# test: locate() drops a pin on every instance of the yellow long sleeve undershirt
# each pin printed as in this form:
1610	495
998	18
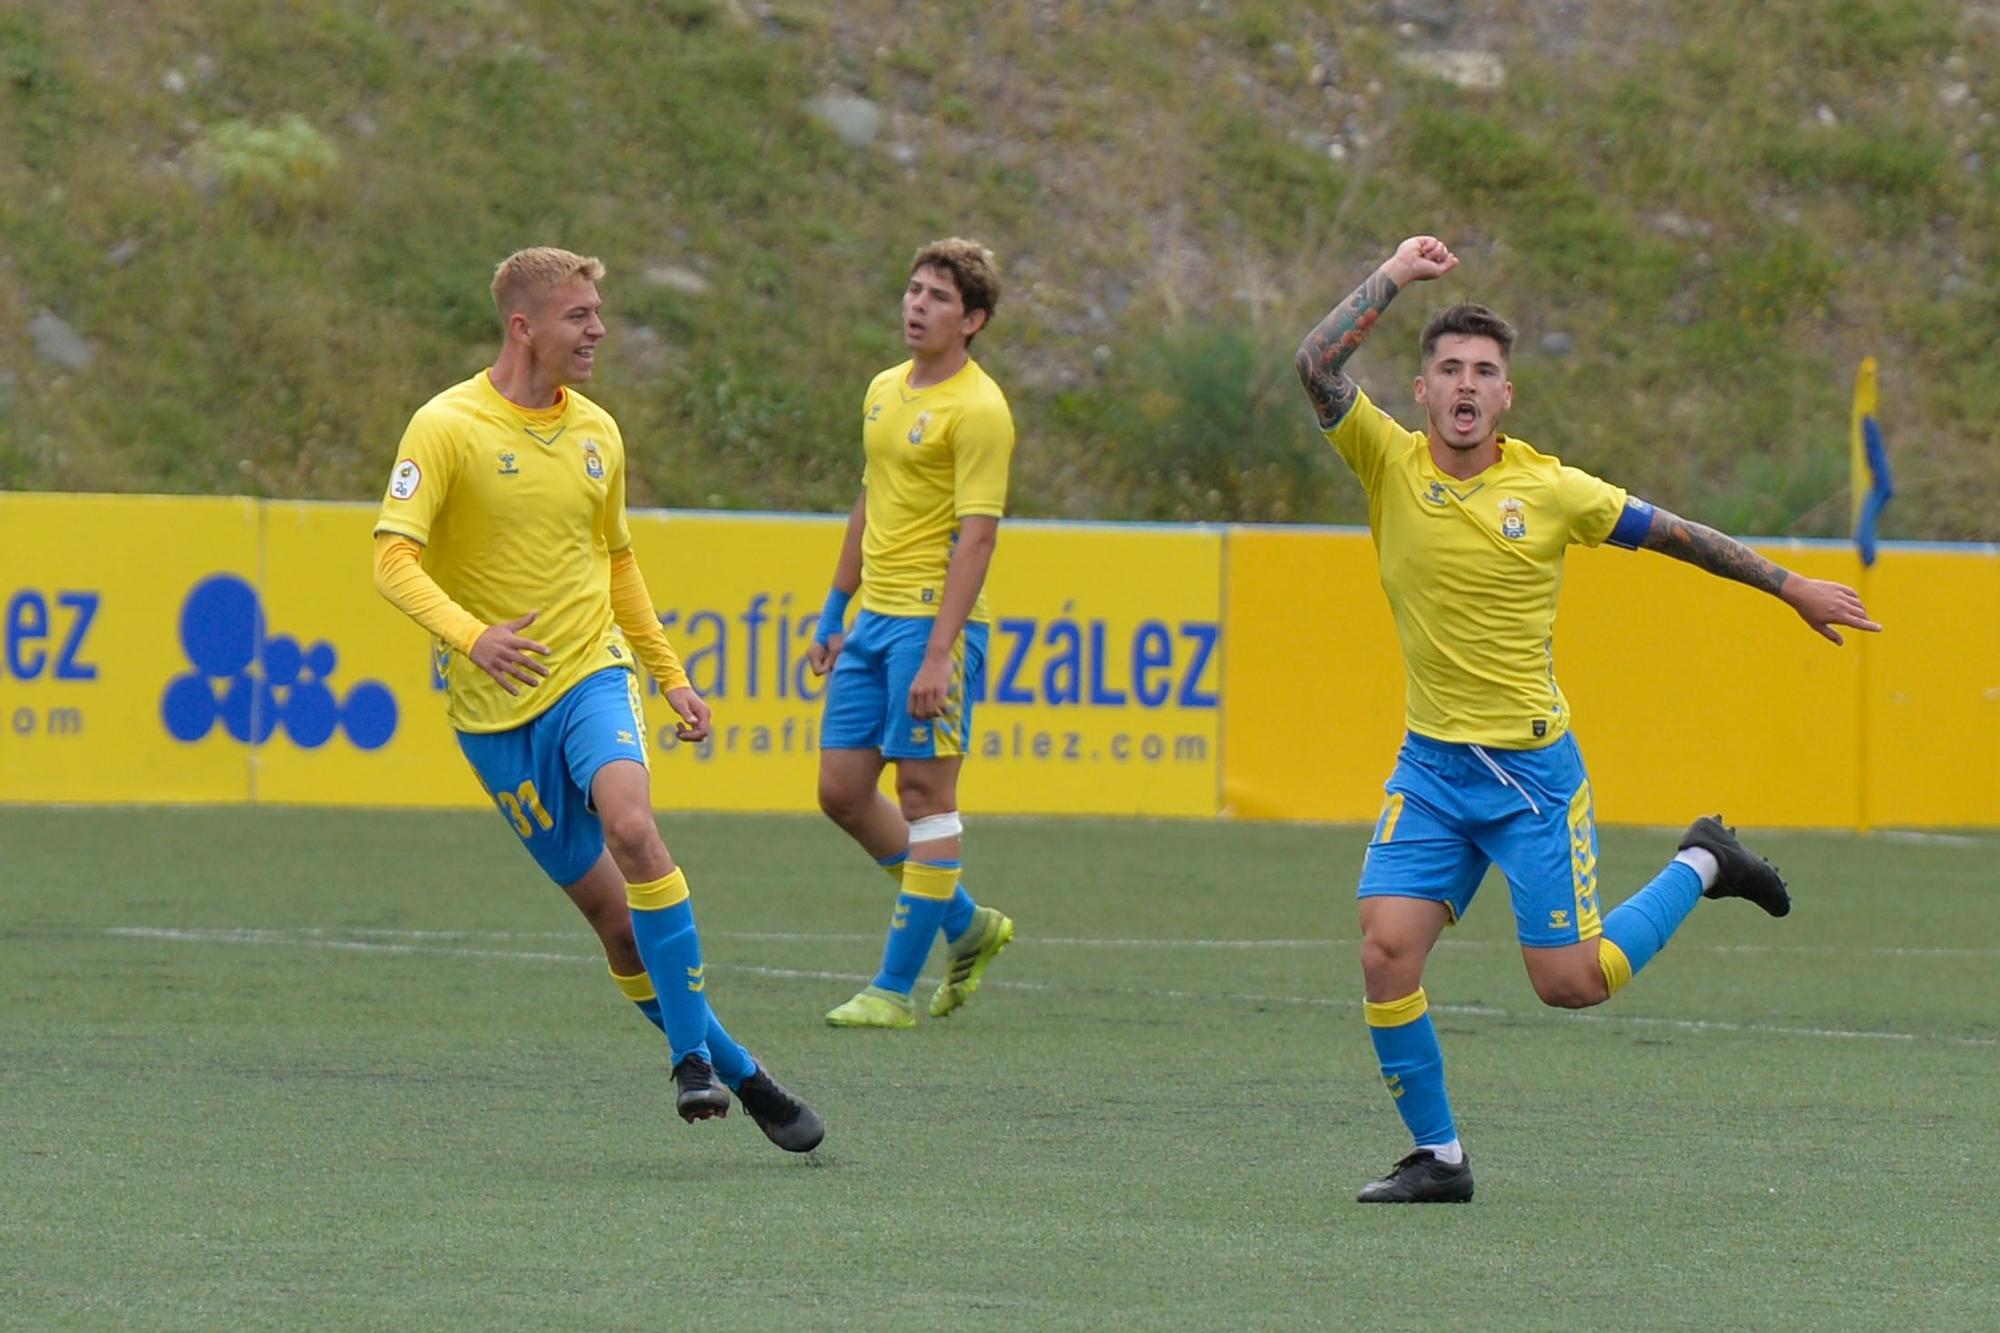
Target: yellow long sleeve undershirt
632	607
400	576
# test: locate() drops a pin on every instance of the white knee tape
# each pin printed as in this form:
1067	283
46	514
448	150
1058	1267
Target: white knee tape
933	827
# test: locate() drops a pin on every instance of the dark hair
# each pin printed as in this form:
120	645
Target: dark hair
1471	320
971	267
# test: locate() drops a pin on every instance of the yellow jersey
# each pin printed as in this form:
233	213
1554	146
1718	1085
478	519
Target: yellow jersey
517	510
1473	569
934	455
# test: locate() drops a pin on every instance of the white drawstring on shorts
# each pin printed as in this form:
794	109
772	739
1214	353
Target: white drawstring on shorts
1505	777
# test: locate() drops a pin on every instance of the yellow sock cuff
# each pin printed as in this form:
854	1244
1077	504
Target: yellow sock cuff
1616	966
924	881
636	988
1396	1013
658	894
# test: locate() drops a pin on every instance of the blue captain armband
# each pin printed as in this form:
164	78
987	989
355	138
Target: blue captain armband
832	616
1633	524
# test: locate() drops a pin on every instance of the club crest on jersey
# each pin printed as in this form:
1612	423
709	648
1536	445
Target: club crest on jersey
593	463
403	482
507	468
923	424
1436	493
1513	519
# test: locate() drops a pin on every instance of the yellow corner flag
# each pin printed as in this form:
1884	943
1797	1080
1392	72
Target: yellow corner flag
1868	462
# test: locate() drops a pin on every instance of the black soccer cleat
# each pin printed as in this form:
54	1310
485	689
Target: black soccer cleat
700	1095
1743	873
1421	1178
785	1119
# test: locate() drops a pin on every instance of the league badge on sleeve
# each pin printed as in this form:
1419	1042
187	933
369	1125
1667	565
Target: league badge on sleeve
403	482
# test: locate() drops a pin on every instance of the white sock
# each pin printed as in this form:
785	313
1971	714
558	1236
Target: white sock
1451	1154
1704	864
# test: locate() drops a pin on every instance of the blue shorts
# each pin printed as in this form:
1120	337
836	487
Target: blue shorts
539	773
1452	810
868	699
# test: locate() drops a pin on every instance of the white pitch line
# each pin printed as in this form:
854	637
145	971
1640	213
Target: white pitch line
314	938
1933	839
1087	942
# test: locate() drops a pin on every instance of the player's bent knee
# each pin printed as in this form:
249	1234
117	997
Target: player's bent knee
632	835
1390	968
1571	992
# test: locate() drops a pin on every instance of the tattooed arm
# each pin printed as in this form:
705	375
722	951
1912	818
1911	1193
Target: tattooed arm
1820	603
1326	349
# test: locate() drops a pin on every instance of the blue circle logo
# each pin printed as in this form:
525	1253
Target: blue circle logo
256	684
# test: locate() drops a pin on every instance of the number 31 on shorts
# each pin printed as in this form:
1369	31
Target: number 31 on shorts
521	803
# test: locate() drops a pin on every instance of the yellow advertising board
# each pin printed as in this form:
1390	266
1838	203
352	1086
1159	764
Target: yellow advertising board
183	650
127	629
362	713
1102	673
1931	688
1692	694
235	650
1313	710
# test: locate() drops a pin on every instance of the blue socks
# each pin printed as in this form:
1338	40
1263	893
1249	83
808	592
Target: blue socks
957	913
1412	1066
928	891
732	1064
663	928
1640	926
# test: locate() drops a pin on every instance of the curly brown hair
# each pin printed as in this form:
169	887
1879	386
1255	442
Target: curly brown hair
972	269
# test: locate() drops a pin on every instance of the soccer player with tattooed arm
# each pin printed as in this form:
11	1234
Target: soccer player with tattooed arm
1470	527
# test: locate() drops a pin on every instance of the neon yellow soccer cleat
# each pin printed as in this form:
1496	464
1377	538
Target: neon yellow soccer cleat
981	944
874	1008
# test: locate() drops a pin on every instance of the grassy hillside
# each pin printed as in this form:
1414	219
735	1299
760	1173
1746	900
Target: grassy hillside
272	227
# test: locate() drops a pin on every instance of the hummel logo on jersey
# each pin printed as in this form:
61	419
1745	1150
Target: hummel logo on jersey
923	424
507	468
874	410
1436	493
1513	519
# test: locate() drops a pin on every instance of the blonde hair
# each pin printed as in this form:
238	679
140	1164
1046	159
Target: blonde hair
971	267
527	276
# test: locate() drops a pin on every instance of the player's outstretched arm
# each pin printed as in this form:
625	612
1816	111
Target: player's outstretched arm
1324	352
1821	603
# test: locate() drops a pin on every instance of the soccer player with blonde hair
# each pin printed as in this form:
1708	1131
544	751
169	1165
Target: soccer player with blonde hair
937	437
505	514
1470	527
